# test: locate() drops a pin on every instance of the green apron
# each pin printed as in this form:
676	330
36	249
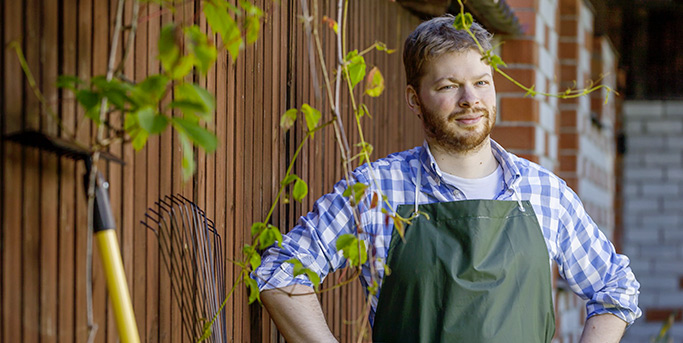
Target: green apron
476	271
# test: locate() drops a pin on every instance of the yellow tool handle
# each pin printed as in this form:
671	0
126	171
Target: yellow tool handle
117	286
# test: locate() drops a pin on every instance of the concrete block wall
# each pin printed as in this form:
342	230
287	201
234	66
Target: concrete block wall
653	212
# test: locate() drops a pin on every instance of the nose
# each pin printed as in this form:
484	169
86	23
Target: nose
468	98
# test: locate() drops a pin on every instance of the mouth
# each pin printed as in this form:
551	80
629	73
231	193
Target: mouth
467	119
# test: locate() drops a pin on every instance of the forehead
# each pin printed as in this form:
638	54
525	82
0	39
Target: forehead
458	64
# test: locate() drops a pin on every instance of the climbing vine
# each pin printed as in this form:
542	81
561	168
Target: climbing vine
184	50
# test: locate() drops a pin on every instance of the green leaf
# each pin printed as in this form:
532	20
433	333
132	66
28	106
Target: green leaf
139	139
188	107
495	61
357	190
356	67
188	154
289	179
463	22
530	91
222	23
353	249
269	236
252	285
182	68
197	134
366	149
150	90
300	190
255	261
312	117
169	52
253	20
87	98
299	269
204	52
150	121
374	84
288	119
69	82
130	121
383	47
257	227
191	97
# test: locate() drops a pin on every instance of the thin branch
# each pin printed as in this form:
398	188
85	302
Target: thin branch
34	87
93	171
131	37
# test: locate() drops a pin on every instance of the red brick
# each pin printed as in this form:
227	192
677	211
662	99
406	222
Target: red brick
680	281
515	4
662	314
570	101
568	27
588	41
568	163
569	141
520	51
547	37
519	109
568	119
568	51
515	137
531	157
527	77
569	7
572	182
568	75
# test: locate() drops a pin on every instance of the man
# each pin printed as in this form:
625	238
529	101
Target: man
474	264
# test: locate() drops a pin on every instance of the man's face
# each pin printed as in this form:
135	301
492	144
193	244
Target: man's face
456	101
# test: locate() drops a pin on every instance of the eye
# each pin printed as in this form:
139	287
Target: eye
446	87
482	83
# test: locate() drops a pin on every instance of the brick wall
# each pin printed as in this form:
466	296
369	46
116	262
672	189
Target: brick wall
573	137
653	211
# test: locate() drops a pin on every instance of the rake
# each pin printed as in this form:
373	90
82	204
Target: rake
191	251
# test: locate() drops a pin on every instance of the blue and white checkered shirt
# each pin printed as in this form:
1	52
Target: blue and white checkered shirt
584	256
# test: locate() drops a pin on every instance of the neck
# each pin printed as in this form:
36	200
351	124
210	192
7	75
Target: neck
472	164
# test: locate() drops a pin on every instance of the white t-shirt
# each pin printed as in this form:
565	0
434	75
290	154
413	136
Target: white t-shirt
485	188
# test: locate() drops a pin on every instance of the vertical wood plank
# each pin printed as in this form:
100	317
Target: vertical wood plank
31	185
231	252
139	198
49	182
84	71
12	264
100	56
167	307
67	188
129	221
153	180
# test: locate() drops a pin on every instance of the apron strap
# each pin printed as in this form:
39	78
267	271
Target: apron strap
417	187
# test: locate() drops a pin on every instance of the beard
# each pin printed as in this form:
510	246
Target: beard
446	132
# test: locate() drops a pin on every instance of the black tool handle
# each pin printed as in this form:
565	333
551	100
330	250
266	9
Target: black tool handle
104	218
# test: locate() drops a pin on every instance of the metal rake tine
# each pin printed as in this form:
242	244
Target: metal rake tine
189	238
165	246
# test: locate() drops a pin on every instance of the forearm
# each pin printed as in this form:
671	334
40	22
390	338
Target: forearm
603	328
298	317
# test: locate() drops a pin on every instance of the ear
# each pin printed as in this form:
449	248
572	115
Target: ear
413	100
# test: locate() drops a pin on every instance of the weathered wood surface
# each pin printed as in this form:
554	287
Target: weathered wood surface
43	205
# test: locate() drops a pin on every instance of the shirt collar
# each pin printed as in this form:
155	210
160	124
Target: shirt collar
511	172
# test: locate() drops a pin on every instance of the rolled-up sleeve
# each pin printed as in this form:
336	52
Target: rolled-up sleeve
312	241
591	265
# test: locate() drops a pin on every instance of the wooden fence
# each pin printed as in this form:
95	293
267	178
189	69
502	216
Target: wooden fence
43	206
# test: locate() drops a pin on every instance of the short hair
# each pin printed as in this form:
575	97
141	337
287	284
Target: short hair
434	38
